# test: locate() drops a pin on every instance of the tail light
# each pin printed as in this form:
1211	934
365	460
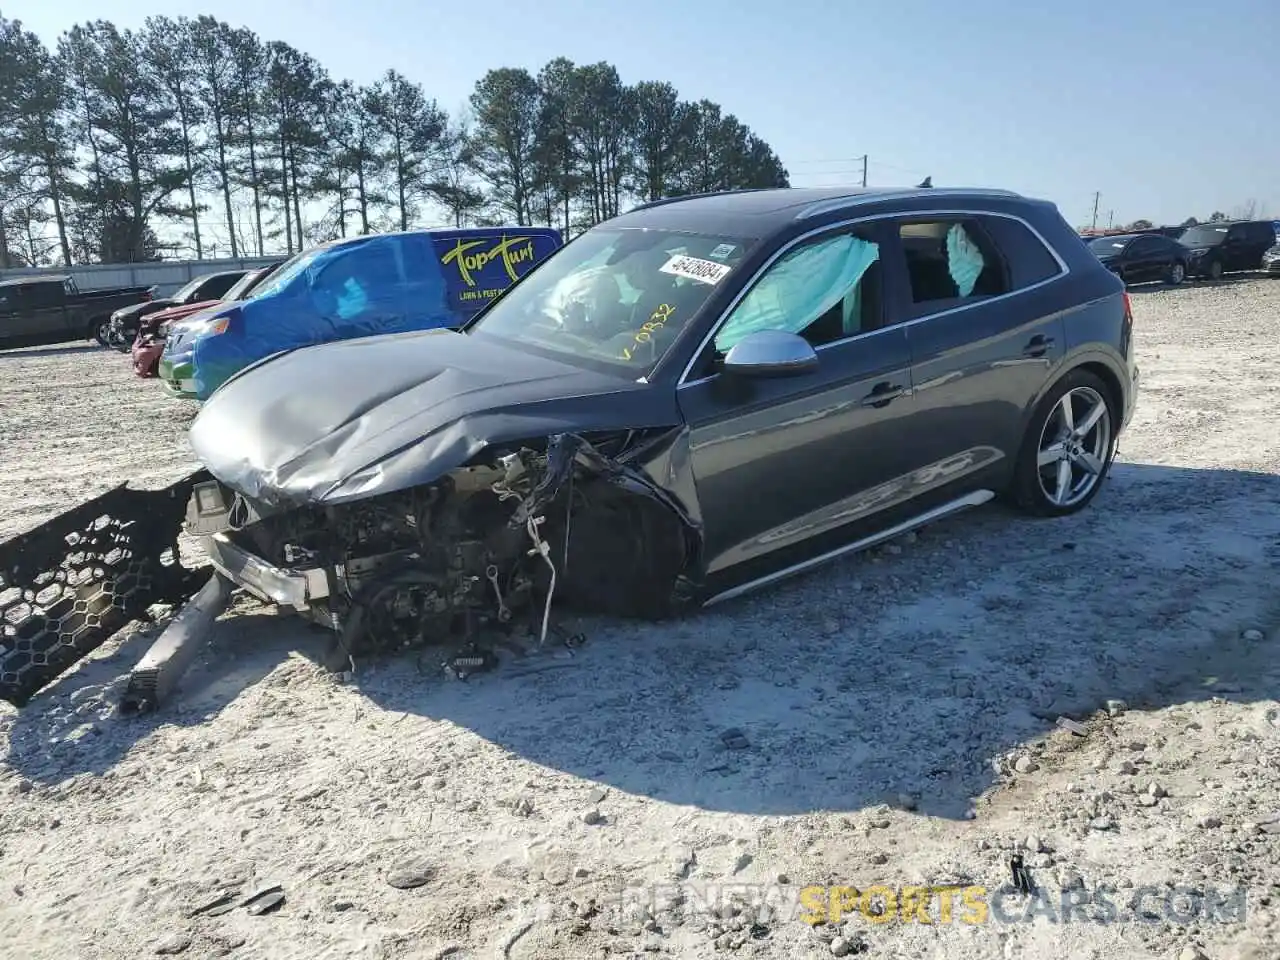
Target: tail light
1128	308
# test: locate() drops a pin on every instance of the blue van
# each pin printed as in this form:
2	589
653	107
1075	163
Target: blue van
358	287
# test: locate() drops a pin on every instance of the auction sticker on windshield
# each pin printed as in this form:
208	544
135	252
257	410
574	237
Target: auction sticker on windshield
704	271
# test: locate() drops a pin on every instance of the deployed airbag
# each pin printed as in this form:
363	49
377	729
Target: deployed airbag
964	260
802	287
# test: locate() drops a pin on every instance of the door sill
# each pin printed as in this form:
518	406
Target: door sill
975	499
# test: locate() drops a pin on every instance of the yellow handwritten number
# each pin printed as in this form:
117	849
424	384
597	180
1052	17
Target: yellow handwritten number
657	320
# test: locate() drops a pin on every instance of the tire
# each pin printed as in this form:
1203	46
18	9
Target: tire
1034	489
1177	273
98	331
1215	270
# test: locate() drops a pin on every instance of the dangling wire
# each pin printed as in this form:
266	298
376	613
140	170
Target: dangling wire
541	546
238	515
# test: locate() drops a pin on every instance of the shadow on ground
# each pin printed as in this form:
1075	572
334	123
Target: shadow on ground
27	353
879	675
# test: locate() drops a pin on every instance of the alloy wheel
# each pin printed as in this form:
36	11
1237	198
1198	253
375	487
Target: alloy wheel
1177	273
1074	445
1215	270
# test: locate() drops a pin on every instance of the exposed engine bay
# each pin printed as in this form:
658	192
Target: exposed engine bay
483	548
479	555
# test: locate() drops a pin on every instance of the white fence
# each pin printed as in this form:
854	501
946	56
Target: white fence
165	275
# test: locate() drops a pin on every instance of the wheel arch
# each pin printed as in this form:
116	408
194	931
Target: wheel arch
1100	365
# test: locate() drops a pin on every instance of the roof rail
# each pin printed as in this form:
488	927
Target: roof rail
663	201
835	203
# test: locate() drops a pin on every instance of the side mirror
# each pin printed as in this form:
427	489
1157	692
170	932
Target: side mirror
770	353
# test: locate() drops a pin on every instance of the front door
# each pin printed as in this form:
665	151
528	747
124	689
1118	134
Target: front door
780	462
1146	262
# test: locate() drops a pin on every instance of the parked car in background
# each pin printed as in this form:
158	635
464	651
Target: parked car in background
153	329
359	287
42	309
123	327
1218	248
1271	260
688	402
1142	257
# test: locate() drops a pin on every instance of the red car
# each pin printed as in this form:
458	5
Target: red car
154	328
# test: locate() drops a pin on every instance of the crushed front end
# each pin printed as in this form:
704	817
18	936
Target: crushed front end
479	552
461	564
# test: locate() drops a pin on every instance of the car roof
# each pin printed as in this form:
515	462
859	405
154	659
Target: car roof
1126	237
1230	223
759	212
221	273
444	232
15	281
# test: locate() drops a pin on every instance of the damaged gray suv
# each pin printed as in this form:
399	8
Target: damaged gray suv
692	400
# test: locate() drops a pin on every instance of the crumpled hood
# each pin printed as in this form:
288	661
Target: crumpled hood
362	417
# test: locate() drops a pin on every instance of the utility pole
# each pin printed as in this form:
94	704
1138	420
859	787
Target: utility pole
1111	218
1094	225
864	169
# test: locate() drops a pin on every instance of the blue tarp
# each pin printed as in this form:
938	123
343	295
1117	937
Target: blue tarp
380	284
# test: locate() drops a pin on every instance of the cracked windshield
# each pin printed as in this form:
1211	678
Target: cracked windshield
615	297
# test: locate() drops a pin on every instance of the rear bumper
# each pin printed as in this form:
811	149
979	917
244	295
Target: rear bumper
1135	381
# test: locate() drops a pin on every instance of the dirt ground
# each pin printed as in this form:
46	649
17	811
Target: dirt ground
698	790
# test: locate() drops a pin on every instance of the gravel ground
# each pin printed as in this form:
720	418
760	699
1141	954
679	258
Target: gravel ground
886	721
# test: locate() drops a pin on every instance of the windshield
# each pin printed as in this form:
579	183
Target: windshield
1104	245
1203	236
617	298
243	286
287	271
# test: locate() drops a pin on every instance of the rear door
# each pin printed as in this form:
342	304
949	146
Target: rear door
1261	238
984	335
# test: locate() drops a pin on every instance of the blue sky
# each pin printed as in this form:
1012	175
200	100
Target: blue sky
1168	109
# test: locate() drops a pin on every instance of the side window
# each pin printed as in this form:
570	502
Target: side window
41	295
217	286
1030	261
824	291
950	262
360	278
1144	247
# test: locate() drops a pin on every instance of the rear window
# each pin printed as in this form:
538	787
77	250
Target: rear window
219	285
1204	236
1030	261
